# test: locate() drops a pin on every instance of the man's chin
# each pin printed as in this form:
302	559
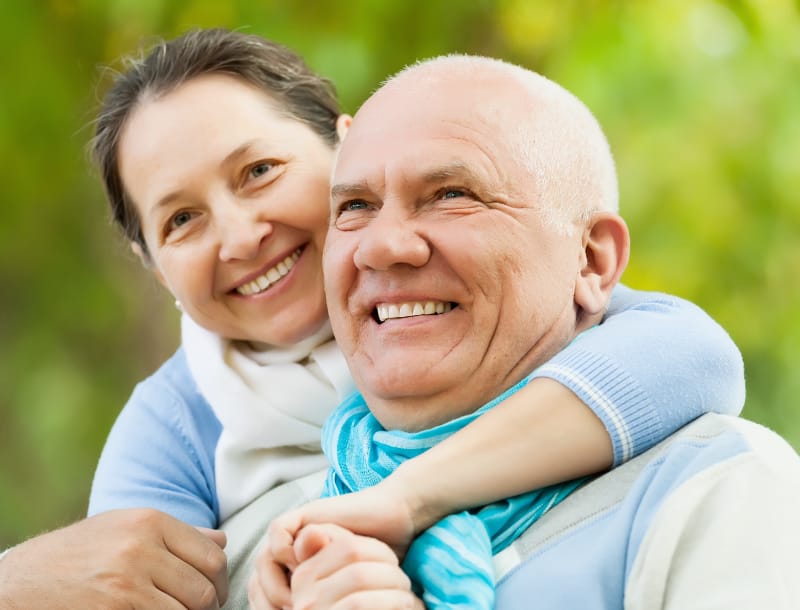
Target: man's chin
400	415
434	400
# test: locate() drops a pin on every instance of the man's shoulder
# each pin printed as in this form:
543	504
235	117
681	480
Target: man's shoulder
598	530
704	443
766	445
716	441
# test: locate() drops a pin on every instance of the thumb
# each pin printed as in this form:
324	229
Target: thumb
310	540
218	536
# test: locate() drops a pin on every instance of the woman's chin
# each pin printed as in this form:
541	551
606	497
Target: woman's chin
287	335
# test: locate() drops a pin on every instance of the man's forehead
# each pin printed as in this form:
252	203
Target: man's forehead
427	157
429	133
418	172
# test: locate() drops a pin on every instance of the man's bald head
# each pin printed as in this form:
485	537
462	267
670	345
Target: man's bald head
474	234
552	133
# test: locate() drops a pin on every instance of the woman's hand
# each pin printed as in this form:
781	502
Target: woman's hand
380	512
386	511
336	569
132	559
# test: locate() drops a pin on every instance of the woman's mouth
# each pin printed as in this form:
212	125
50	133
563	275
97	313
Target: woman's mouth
271	276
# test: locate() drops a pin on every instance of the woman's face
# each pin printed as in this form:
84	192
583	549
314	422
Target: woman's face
233	201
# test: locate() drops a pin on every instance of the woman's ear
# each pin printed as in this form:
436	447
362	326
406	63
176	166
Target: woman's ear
343	125
148	263
606	248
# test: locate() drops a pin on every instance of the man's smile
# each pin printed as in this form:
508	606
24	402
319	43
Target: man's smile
409	309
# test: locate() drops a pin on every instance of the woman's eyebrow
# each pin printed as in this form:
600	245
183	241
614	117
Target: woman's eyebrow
231	157
239	151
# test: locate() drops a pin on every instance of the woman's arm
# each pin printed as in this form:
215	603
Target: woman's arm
160	451
654	364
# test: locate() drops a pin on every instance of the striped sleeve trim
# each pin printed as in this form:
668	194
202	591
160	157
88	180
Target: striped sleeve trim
631	419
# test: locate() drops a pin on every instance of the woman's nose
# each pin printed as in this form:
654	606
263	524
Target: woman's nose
241	232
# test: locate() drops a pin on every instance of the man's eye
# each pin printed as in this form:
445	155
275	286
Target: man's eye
453	193
355	205
259	169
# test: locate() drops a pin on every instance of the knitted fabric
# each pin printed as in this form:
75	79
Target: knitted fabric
450	564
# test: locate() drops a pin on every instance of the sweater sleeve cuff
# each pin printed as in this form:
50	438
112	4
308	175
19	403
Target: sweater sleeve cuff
613	395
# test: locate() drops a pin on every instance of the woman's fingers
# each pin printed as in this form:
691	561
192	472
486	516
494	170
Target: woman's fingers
339	565
352	581
269	584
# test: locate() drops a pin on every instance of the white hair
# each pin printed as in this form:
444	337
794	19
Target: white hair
559	140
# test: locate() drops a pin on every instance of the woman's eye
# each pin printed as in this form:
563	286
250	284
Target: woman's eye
181	218
260	169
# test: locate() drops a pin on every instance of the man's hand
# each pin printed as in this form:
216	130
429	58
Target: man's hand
336	570
386	512
136	559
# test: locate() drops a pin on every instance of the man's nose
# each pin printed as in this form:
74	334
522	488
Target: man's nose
391	238
241	231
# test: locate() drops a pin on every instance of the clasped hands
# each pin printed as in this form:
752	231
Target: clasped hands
339	553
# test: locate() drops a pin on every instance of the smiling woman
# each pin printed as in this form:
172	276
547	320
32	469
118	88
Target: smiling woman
216	151
238	209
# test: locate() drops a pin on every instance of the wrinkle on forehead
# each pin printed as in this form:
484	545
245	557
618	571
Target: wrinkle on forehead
550	132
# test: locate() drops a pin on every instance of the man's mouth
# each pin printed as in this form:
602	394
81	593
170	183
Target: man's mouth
271	276
390	311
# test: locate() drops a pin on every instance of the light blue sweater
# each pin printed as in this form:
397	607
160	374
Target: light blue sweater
160	451
706	520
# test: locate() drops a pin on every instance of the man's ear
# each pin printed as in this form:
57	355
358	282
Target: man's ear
343	125
148	263
606	248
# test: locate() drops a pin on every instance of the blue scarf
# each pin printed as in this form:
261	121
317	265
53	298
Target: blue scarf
450	564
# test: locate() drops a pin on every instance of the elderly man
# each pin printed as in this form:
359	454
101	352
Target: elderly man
481	186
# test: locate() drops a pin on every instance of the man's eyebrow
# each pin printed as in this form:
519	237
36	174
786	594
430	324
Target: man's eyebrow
456	169
350	189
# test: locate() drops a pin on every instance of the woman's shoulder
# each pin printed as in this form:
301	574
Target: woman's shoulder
174	378
172	393
160	450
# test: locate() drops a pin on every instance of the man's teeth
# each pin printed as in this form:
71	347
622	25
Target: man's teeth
387	311
261	283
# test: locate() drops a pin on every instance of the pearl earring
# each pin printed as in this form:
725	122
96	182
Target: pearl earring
178	305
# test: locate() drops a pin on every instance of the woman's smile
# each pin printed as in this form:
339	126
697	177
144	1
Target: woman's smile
233	196
270	277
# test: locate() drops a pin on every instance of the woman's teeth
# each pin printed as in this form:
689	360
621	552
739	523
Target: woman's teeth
387	311
261	283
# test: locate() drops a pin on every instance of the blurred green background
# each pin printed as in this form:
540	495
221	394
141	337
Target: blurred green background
700	100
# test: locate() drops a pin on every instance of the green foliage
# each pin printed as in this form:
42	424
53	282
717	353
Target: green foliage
700	100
